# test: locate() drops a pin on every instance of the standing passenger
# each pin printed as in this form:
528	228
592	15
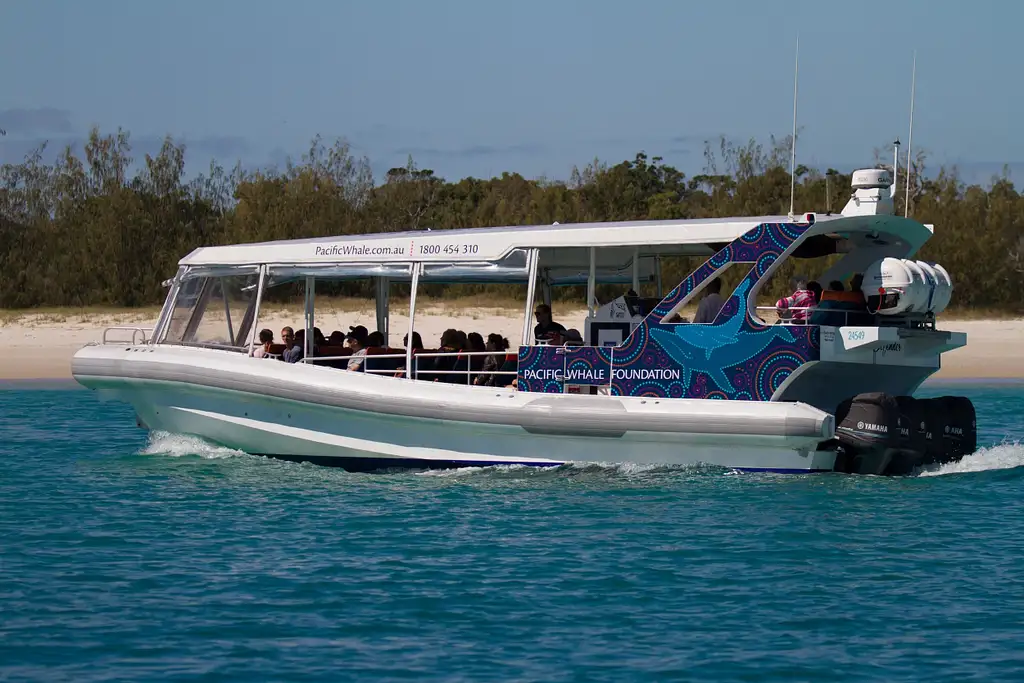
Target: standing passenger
545	325
711	304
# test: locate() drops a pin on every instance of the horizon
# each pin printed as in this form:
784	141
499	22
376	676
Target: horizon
591	80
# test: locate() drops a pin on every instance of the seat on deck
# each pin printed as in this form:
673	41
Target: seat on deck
837	309
331	353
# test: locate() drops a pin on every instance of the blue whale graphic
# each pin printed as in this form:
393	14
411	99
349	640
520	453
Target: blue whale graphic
723	346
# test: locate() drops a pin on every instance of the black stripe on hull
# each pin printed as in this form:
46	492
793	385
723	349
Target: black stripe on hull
383	465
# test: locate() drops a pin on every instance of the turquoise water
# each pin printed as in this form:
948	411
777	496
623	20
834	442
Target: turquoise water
125	557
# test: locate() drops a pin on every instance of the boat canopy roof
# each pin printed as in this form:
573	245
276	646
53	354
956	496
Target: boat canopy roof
500	253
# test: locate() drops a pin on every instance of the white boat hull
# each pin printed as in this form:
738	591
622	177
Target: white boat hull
366	422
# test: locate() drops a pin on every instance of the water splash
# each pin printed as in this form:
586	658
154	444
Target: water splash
571	469
178	445
1003	456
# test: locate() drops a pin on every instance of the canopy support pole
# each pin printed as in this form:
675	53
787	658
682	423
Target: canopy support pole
636	270
416	267
531	292
307	347
657	275
546	286
592	283
383	307
256	309
167	312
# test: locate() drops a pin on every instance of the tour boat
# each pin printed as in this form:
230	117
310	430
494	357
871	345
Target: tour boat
828	390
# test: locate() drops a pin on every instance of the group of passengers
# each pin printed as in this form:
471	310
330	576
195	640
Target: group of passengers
462	358
809	304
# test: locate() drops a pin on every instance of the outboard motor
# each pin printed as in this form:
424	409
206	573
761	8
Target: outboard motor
882	434
866	428
960	433
911	441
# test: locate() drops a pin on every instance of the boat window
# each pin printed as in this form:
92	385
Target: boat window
514	267
730	275
339	272
213	311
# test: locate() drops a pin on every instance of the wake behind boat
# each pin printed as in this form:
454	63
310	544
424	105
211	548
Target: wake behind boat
826	387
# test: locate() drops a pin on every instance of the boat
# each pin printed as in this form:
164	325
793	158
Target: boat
641	384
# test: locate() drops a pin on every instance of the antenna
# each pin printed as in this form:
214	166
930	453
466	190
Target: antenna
910	138
792	162
895	166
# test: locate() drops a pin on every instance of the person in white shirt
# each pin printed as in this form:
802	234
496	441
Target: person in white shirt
266	340
356	340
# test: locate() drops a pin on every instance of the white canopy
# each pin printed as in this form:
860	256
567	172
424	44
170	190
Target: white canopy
563	249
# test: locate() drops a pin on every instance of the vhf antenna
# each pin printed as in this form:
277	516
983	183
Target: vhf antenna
792	162
910	137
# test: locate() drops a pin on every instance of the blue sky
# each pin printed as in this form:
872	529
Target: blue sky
477	88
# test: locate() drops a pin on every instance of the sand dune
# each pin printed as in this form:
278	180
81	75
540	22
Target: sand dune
40	346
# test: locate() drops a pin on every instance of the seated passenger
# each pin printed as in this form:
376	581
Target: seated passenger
318	337
492	363
545	325
292	346
839	307
375	340
439	369
356	340
266	341
711	304
417	346
795	308
336	339
573	337
816	291
475	344
417	341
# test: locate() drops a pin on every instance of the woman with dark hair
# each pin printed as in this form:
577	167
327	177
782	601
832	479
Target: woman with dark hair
492	363
439	369
417	341
815	290
475	344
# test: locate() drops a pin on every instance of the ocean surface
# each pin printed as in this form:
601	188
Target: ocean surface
129	557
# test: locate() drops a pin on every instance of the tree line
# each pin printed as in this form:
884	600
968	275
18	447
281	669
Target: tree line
87	230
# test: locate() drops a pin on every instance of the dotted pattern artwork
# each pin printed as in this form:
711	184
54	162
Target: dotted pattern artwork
736	357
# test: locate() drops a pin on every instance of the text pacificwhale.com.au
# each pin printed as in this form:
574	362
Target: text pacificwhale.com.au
358	250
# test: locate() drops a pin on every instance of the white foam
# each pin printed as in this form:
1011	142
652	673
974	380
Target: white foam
178	445
1004	456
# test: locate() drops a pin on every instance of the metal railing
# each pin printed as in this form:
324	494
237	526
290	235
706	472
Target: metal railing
811	310
136	331
469	372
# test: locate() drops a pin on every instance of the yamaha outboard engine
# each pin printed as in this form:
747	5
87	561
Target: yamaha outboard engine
882	434
866	428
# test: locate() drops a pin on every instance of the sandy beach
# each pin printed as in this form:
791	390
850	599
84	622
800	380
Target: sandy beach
40	345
